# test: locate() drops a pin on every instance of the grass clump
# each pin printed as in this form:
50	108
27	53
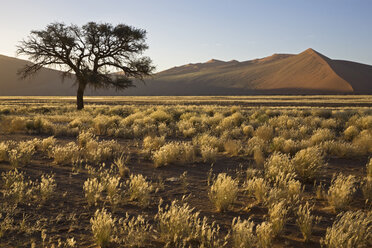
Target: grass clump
153	143
242	233
277	217
112	186
232	147
21	155
174	152
259	187
341	191
139	189
209	154
223	192
102	227
321	135
305	220
369	169
308	163
265	132
352	229
47	186
134	231
180	226
351	132
47	144
277	163
93	189
265	235
17	188
208	140
4	151
65	154
121	166
364	142
167	154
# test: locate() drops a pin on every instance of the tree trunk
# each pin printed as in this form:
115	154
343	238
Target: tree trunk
80	95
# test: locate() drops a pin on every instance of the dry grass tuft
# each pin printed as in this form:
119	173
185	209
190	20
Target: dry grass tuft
341	191
350	229
102	227
223	192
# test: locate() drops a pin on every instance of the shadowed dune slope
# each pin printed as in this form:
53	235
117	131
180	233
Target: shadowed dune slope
306	73
46	82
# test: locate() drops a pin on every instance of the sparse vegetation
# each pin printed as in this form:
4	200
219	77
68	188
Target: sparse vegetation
269	172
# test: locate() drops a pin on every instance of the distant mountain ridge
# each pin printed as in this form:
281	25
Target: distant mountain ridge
309	72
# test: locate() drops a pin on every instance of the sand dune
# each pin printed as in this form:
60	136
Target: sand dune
47	82
306	73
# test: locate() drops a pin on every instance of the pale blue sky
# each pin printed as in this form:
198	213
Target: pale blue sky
181	32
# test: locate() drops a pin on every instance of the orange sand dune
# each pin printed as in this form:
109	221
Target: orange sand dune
306	73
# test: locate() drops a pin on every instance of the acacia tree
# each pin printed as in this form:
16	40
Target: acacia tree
91	53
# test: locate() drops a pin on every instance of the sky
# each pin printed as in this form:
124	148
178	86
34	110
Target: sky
192	31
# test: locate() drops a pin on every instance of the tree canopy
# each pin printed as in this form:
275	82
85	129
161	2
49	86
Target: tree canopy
98	54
